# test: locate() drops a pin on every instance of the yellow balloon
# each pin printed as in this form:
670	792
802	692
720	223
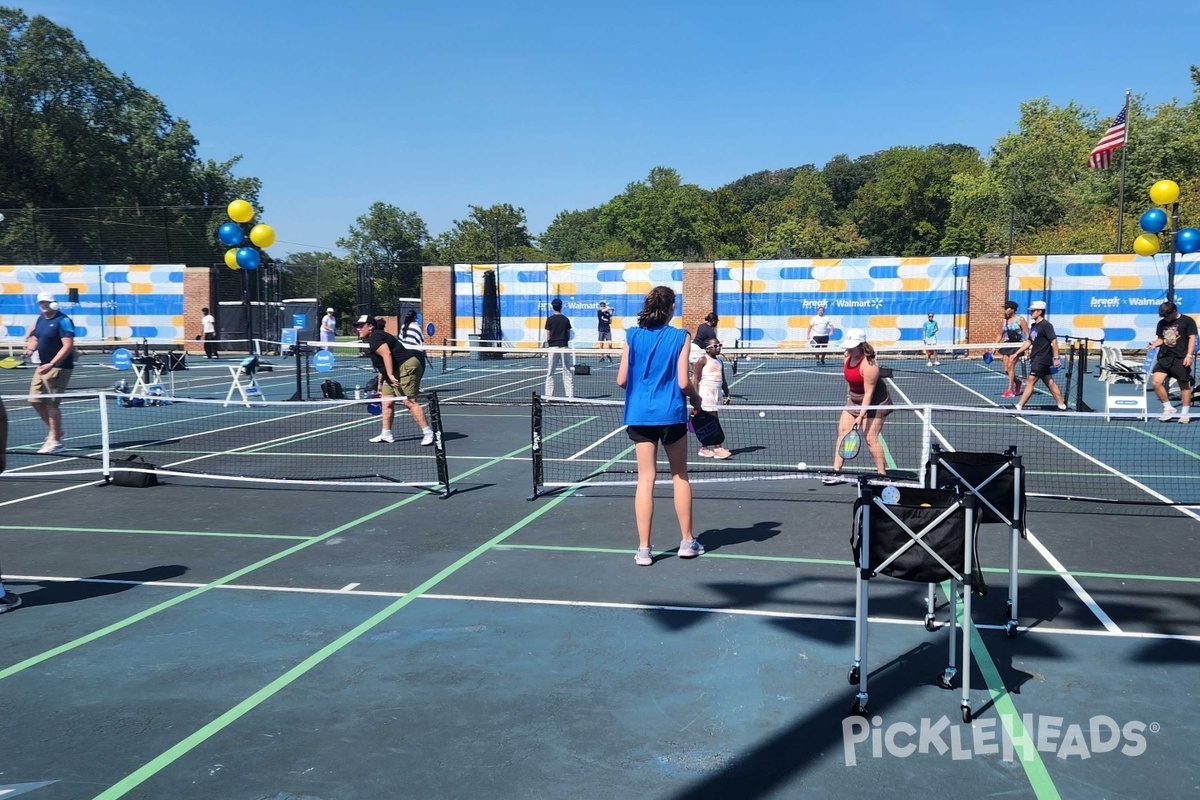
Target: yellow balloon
1164	192
231	258
1146	244
262	235
240	211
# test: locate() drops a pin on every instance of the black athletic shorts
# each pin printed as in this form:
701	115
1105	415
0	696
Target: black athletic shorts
1176	370
820	341
667	434
1040	369
604	336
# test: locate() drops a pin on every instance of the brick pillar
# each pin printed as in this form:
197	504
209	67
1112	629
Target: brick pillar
197	285
987	289
699	288
437	302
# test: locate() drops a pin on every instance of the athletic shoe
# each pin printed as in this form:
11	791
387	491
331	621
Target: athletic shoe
1167	413
1184	419
643	558
721	453
9	601
706	452
937	363
929	363
690	549
427	439
51	448
386	436
831	480
1008	394
1062	408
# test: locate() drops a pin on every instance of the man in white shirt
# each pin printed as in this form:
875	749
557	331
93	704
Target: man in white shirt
208	329
820	328
328	326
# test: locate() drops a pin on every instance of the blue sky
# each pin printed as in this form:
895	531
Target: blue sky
551	106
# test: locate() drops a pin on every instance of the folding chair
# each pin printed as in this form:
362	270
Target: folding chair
922	535
997	480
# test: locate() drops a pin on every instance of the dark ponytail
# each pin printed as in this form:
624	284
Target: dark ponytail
656	310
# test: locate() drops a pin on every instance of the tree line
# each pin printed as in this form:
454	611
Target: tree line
75	134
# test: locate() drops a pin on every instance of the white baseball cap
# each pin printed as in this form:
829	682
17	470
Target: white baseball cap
45	297
854	337
330	310
1037	305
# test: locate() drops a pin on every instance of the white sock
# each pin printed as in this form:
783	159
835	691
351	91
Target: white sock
427	429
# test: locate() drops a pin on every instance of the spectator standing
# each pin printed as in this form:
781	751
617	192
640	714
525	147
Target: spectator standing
328	330
820	329
604	329
208	330
558	338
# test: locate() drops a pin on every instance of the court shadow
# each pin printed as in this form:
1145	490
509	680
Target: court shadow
739	451
716	538
1169	651
54	592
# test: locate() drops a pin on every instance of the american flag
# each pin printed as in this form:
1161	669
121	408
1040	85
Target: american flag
1113	138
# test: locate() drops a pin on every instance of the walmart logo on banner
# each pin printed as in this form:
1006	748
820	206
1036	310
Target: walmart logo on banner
322	361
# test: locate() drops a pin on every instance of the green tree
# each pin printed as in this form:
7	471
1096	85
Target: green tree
474	240
661	218
393	243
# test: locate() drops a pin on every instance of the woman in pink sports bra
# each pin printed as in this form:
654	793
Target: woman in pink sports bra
864	388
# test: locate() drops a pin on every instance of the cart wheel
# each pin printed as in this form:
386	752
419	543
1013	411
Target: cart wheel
943	682
852	676
930	623
966	715
1010	628
858	708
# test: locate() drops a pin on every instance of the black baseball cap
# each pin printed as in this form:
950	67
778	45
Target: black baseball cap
366	319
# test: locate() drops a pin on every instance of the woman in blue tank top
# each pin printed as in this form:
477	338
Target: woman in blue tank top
654	373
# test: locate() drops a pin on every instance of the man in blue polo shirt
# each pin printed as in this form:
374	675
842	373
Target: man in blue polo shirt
53	338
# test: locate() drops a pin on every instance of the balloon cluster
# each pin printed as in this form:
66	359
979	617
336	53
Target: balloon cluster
245	243
1155	220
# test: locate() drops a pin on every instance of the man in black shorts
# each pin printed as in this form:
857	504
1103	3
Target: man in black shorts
1043	356
1175	338
604	329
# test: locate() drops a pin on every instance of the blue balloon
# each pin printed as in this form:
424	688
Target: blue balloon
248	258
1153	220
1187	240
230	234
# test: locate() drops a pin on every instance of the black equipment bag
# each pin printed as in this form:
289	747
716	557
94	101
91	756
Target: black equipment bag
583	369
136	480
332	390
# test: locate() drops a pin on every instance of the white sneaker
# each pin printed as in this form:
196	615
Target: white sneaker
386	436
937	363
427	438
1167	413
929	363
51	448
1184	419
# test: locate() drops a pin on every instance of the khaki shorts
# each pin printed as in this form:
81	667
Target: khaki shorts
409	376
53	381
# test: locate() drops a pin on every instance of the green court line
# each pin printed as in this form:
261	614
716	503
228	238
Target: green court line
149	612
151	532
1029	758
1167	442
165	759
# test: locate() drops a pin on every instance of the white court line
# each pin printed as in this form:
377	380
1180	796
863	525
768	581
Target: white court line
1084	596
349	587
534	601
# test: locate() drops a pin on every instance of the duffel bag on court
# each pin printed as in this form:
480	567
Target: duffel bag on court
332	390
122	474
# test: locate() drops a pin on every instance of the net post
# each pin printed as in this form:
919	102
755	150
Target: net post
105	438
439	445
445	356
1081	369
535	446
296	396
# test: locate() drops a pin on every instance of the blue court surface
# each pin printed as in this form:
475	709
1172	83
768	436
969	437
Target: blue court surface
214	639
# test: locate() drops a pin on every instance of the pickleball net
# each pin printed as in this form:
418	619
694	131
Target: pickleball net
1067	455
323	443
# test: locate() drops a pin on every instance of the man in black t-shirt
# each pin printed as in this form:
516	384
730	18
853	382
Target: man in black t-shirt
1175	338
604	329
558	334
705	331
1043	356
399	371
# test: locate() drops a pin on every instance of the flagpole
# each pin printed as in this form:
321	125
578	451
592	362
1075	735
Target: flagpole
1121	190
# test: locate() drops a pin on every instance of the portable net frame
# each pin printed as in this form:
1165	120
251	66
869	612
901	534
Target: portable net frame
1065	455
322	444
